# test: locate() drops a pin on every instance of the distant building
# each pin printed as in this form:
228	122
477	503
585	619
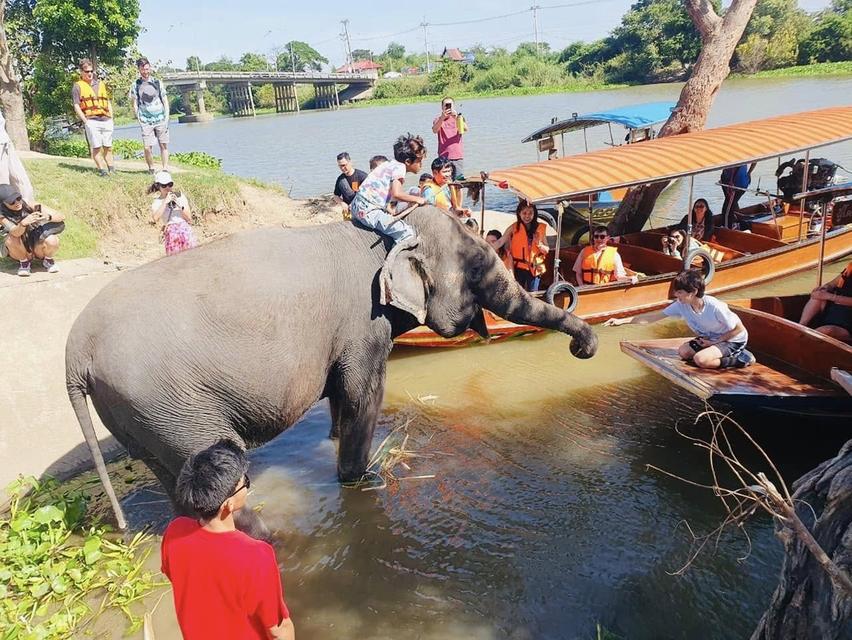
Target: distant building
361	66
457	55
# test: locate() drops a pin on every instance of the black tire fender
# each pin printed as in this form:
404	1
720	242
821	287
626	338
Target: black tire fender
578	235
708	268
566	288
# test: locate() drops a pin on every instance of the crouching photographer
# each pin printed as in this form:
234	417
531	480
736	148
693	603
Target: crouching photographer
30	230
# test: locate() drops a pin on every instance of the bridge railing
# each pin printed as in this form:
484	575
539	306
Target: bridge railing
242	76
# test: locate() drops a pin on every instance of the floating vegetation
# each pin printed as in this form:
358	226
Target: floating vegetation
59	570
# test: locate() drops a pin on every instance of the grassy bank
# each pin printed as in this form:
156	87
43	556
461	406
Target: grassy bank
808	70
96	207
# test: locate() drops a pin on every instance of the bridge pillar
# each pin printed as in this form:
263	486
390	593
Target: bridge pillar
186	98
241	99
326	96
286	98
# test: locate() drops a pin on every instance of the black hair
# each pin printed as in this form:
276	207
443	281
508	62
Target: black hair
495	233
425	176
142	61
523	204
599	228
375	161
439	163
209	477
85	62
343	156
408	148
707	211
691	281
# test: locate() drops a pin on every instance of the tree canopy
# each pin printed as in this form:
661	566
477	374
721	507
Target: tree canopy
300	55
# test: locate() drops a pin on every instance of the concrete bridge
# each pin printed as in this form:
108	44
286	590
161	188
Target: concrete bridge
239	84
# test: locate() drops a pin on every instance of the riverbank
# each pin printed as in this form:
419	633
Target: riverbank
108	218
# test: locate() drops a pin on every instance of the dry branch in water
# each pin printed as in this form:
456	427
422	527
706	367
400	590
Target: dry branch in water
755	491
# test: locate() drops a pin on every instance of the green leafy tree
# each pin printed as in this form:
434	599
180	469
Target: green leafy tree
656	39
11	94
103	30
771	39
394	51
445	77
530	49
300	55
97	29
830	39
362	54
193	63
253	62
224	63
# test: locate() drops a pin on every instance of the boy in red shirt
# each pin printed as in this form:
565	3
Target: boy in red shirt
226	584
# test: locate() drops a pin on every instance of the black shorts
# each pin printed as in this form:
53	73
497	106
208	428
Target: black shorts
37	233
727	348
837	315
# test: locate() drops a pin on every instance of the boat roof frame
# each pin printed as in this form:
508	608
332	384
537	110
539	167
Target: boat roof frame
504	178
637	116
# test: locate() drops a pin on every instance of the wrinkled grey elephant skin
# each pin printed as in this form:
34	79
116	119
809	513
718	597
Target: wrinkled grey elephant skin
238	338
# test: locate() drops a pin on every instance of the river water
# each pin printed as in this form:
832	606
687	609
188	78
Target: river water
542	518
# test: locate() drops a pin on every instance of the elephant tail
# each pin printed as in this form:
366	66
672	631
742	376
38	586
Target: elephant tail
77	385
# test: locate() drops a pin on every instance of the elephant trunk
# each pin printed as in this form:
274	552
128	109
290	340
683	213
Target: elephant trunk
506	298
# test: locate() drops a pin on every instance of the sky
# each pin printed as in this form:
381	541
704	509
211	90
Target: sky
173	31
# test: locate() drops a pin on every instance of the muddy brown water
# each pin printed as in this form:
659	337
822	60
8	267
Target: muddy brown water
543	518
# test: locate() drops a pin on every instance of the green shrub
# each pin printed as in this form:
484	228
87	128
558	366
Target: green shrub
198	159
127	149
499	76
74	147
401	87
36	129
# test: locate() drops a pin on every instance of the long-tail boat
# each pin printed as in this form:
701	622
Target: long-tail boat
778	246
793	372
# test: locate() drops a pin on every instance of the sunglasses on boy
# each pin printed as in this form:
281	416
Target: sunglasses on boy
245	485
601	235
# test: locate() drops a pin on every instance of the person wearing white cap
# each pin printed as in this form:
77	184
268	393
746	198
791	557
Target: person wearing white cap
170	209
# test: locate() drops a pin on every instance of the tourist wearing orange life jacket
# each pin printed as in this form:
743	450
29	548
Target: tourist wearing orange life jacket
527	246
600	263
93	107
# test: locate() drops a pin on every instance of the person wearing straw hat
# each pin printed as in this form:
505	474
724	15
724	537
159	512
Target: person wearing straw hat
31	230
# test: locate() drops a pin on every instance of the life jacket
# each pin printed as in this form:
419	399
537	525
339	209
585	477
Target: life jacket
526	254
94	106
598	271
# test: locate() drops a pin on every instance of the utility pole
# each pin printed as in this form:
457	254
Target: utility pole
345	35
534	10
425	24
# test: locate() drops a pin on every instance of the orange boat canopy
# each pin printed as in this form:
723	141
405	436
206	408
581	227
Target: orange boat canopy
676	156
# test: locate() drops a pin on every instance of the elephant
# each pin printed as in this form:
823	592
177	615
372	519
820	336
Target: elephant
239	337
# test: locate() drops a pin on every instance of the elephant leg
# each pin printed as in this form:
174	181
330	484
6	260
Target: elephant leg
356	399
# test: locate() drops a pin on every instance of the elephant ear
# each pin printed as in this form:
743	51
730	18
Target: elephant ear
406	284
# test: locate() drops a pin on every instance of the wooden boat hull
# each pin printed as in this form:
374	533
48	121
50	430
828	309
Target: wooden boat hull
793	373
771	259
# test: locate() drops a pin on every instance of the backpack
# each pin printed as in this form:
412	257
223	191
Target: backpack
821	174
153	81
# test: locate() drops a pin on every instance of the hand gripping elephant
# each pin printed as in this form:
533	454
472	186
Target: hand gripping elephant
238	338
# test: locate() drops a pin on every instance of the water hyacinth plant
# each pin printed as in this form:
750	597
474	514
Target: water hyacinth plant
58	572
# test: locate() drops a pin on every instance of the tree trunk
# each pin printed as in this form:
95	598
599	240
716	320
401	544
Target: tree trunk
11	98
719	38
807	605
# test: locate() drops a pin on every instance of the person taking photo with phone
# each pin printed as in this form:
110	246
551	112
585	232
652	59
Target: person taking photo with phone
170	209
31	230
450	126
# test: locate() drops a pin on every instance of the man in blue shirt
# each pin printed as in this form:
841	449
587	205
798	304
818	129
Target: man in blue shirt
734	181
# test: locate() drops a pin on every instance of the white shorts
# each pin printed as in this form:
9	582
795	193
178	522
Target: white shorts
154	133
99	133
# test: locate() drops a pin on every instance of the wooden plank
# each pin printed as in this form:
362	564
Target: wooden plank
843	378
767	377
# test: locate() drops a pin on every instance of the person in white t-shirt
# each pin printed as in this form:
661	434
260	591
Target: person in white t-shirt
170	209
720	335
11	170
